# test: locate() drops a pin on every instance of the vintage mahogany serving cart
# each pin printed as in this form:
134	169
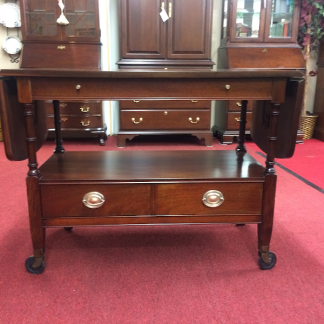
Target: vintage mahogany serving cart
151	187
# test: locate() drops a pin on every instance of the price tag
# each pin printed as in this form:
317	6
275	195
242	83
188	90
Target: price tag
164	15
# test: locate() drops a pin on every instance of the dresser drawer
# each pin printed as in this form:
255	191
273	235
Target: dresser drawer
235	105
75	108
233	120
76	122
186	199
164	104
120	199
172	119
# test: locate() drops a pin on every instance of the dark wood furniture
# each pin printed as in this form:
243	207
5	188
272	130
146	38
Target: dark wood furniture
181	42
78	119
159	187
74	46
256	34
319	96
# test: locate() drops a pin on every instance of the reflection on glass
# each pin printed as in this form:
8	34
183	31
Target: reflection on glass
40	18
248	18
281	18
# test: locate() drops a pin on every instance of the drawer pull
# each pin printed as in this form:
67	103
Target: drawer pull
213	198
194	122
85	123
227	87
165	113
78	87
64	119
85	109
61	47
194	101
93	199
135	122
63	105
239	104
238	119
137	101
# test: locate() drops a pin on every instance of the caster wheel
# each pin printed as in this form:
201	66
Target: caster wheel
29	266
69	229
268	266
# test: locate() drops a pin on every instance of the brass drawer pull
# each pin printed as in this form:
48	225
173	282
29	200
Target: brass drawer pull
165	113
63	105
135	122
238	119
137	101
85	109
194	122
85	123
194	101
213	198
78	87
64	119
61	47
239	104
227	87
93	199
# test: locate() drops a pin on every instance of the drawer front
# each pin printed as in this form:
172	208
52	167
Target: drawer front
164	104
75	108
66	200
186	199
81	122
236	105
164	119
233	120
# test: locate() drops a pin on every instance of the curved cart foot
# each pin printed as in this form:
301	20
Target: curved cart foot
268	265
69	229
35	265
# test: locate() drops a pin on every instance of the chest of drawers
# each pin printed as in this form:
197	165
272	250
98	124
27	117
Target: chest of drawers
151	117
78	119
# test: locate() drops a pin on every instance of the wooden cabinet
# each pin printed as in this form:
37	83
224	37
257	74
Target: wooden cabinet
164	117
184	40
78	119
181	42
50	45
257	34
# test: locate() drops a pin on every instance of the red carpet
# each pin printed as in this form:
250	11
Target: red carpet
167	274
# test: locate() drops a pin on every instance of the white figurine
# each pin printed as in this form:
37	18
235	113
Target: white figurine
62	19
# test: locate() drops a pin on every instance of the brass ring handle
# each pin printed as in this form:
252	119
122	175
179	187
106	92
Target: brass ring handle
238	119
194	122
139	120
213	198
85	123
85	109
93	199
137	101
239	104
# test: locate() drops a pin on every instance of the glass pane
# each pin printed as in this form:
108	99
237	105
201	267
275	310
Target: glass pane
40	18
281	18
224	30
248	18
81	17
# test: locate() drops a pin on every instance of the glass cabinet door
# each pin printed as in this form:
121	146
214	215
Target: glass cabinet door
281	24
247	21
39	21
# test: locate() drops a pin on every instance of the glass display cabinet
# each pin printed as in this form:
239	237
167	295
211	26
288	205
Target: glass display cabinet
50	43
255	34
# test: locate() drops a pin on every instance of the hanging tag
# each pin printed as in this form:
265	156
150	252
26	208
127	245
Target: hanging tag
164	15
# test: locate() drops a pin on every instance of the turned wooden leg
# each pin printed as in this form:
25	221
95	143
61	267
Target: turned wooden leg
58	125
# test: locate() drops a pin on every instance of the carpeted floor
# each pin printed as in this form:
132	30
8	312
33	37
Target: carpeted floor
168	274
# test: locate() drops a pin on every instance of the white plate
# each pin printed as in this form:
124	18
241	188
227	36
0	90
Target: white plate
10	15
12	45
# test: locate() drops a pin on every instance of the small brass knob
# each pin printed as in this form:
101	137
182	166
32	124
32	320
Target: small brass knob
93	199
165	113
78	87
213	198
227	87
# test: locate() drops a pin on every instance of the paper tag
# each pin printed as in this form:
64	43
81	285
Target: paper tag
164	15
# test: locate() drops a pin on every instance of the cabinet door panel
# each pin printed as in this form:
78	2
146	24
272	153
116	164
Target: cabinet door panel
189	29
142	30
